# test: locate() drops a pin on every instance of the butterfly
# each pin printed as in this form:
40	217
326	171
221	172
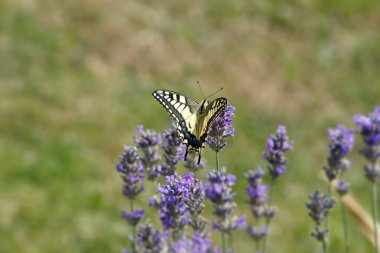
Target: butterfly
193	120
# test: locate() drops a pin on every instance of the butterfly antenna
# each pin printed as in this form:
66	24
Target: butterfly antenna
199	85
221	88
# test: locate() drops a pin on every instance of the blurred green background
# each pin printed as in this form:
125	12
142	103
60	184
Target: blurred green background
76	78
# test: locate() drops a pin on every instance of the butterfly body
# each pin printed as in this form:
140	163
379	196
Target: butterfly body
192	119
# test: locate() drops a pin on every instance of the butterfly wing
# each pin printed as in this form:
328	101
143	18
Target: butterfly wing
212	111
183	110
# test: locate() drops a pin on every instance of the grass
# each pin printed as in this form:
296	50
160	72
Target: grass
76	78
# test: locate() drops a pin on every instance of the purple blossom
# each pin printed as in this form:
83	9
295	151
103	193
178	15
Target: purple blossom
192	164
319	207
256	190
198	244
148	143
173	151
219	192
341	143
174	200
221	129
372	172
257	233
131	171
196	205
277	145
150	240
342	188
133	217
369	128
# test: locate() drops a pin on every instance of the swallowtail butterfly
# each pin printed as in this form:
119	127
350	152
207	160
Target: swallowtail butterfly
193	120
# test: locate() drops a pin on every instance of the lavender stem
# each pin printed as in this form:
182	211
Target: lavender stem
374	216
224	250
217	160
345	229
271	189
133	228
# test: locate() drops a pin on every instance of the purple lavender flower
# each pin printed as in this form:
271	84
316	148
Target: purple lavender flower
149	142
319	207
219	192
277	145
256	190
342	188
173	151
131	171
173	205
150	240
369	128
195	205
372	172
192	164
341	143
221	129
133	217
259	204
198	244
257	233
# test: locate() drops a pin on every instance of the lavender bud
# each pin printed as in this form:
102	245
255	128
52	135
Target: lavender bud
133	217
342	188
277	145
131	171
219	192
221	129
192	163
148	143
150	240
173	151
319	206
341	143
257	233
173	205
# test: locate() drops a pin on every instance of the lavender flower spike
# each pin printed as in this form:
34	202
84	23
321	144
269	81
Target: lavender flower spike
174	214
133	217
149	142
369	128
131	171
173	151
341	143
219	192
319	207
150	240
198	244
277	145
221	129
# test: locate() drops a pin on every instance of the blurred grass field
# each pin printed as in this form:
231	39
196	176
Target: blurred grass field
76	78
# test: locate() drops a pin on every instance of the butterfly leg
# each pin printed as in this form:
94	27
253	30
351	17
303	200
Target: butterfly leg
199	156
187	151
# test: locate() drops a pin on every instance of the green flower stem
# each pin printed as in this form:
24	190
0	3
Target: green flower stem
231	241
374	216
133	228
224	248
345	228
217	161
271	190
325	243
